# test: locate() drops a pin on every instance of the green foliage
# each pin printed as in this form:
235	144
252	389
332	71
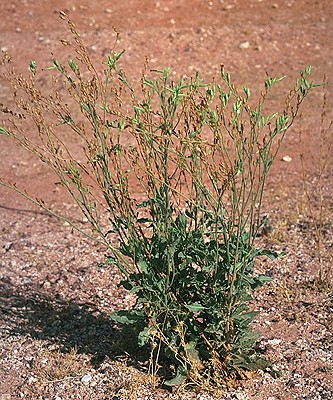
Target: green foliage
193	289
197	156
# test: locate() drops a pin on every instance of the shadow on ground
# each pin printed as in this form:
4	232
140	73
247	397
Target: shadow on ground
67	324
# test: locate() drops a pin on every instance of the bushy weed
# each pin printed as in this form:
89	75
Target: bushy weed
179	168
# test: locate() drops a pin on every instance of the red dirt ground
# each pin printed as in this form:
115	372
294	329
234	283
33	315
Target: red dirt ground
41	257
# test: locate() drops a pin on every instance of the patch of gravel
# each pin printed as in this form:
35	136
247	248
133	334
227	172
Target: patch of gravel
58	341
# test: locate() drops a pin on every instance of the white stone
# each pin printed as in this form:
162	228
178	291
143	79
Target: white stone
244	45
287	159
86	378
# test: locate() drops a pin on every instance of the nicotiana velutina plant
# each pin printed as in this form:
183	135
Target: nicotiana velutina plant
178	171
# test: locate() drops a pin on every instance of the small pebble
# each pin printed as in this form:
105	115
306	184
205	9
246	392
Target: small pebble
86	378
244	45
274	342
7	246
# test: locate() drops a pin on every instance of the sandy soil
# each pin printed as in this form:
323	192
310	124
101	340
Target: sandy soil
55	300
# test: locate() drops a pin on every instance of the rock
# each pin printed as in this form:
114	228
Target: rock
86	378
244	45
8	245
287	159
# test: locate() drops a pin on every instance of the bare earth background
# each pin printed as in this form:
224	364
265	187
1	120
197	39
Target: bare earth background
57	341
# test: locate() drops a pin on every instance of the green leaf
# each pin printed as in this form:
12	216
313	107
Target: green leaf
264	279
128	317
269	253
126	284
260	281
308	70
149	83
57	65
113	58
145	203
143	266
3	131
73	65
195	307
144	220
254	363
182	219
178	379
33	67
247	92
144	336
